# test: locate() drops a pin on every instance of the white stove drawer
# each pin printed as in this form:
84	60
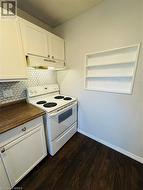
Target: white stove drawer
61	121
55	145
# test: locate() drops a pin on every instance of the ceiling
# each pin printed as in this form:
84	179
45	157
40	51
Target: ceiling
55	12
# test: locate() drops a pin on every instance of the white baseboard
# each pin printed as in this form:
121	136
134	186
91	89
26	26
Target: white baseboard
118	149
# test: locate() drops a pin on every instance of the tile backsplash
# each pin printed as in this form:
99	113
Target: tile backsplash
39	77
36	77
18	89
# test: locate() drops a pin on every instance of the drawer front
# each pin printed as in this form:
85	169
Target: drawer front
12	134
55	145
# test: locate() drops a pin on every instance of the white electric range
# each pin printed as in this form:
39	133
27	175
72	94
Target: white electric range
61	114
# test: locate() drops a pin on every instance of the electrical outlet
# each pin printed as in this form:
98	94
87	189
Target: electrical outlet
7	93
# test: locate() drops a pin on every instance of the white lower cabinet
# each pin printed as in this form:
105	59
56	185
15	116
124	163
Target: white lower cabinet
4	182
22	154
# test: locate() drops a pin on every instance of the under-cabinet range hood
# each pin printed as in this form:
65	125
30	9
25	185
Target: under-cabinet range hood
43	62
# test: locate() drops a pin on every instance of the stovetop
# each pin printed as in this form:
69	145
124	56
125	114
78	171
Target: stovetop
51	102
48	97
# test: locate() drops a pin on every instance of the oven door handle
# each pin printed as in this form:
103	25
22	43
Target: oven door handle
64	109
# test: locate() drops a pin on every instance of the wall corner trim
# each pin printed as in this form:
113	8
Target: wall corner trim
116	148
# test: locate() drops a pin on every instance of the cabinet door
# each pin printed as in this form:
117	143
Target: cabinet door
23	154
34	39
57	47
12	59
4	183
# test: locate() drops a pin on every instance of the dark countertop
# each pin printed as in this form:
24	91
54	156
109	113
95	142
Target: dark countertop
16	114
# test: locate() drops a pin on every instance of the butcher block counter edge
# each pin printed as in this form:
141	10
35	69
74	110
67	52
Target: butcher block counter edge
18	113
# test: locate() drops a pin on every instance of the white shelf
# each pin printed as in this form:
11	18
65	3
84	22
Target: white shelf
110	76
119	91
113	70
114	63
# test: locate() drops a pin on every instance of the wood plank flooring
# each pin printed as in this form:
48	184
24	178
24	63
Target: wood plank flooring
84	164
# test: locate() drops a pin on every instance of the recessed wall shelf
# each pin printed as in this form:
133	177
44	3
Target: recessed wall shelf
113	70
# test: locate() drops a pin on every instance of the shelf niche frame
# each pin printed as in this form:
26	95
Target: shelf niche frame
112	70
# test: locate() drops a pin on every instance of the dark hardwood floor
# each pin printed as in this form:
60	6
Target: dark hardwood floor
83	164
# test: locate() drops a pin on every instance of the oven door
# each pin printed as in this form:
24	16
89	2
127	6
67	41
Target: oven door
59	122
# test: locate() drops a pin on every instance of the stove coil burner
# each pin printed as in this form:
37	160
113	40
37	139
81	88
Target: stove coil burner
41	102
59	97
67	98
50	105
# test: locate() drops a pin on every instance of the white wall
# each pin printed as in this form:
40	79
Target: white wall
114	118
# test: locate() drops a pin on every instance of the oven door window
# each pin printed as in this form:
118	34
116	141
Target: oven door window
62	117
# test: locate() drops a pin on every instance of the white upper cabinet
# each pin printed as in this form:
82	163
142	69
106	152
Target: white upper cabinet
12	59
34	39
40	42
57	47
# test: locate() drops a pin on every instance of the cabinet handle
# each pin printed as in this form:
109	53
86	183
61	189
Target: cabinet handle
24	129
48	55
46	60
53	61
2	150
49	60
